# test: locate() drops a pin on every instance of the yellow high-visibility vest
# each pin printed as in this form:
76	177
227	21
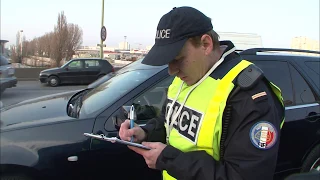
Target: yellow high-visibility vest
199	124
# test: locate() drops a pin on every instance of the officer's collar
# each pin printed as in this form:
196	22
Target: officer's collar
229	61
228	44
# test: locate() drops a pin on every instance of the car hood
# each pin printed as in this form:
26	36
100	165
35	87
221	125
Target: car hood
49	70
46	109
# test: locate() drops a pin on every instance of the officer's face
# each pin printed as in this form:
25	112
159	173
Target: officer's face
191	64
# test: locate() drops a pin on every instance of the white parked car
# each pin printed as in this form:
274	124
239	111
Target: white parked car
7	77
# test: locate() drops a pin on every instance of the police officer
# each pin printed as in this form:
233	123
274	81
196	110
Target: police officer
222	117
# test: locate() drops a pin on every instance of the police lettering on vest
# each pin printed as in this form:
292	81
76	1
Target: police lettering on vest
187	122
163	34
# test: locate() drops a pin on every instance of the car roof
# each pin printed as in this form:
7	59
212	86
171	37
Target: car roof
283	52
88	59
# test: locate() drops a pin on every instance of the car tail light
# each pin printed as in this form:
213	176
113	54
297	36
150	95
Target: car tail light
112	69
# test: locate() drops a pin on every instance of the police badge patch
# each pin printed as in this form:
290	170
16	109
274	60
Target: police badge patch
263	135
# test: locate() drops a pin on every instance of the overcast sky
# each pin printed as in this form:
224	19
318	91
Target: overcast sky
276	21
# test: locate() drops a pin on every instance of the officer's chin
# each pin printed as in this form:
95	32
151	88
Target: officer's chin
189	82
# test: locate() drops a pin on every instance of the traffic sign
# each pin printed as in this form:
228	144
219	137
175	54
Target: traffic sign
103	33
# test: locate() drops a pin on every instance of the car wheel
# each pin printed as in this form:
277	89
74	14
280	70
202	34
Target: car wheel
15	177
53	81
312	162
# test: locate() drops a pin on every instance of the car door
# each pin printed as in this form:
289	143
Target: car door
298	132
73	72
119	155
91	70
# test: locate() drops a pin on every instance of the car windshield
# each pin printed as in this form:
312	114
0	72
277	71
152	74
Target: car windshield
111	90
65	64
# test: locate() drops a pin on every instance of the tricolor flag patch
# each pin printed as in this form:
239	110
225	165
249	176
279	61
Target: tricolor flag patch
263	135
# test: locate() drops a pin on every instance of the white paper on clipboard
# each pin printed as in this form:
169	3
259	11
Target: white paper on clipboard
115	139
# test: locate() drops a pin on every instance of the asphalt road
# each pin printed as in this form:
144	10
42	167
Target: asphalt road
32	89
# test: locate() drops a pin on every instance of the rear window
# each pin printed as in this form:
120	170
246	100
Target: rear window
278	73
314	66
302	91
314	74
3	61
106	64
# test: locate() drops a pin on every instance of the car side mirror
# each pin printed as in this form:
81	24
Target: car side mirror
67	68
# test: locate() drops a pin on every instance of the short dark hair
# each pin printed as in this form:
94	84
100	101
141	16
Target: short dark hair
196	41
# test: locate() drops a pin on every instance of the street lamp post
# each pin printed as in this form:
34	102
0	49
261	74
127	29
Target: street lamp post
20	40
101	41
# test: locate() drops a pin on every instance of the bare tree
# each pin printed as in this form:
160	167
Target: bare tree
25	48
17	39
60	36
48	38
42	46
18	57
14	56
32	47
57	45
74	40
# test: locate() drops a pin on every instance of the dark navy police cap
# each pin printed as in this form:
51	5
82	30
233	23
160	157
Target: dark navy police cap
173	31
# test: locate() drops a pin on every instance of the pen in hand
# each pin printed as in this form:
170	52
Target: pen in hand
132	116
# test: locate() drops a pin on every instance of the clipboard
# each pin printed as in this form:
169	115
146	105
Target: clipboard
115	139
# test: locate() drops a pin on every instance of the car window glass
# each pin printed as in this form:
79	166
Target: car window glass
154	97
314	71
3	61
314	66
91	63
75	65
302	91
278	73
113	89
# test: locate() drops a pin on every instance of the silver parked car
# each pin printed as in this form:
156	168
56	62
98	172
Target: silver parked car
7	77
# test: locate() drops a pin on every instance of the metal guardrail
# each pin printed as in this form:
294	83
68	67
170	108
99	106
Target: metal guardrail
28	74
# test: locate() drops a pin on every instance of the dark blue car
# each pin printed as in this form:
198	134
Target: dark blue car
43	137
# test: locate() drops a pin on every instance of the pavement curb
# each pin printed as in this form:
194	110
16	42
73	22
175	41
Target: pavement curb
27	79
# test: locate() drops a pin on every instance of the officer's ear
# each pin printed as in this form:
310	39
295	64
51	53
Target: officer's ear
207	43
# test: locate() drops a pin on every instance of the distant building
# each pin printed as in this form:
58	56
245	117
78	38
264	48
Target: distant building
242	41
124	46
92	51
305	43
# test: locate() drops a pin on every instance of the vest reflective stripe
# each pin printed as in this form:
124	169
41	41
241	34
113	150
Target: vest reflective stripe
203	110
278	93
215	109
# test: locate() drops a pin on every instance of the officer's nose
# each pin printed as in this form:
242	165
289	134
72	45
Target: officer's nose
173	68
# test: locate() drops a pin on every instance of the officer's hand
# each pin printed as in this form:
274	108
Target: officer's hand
150	156
137	132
